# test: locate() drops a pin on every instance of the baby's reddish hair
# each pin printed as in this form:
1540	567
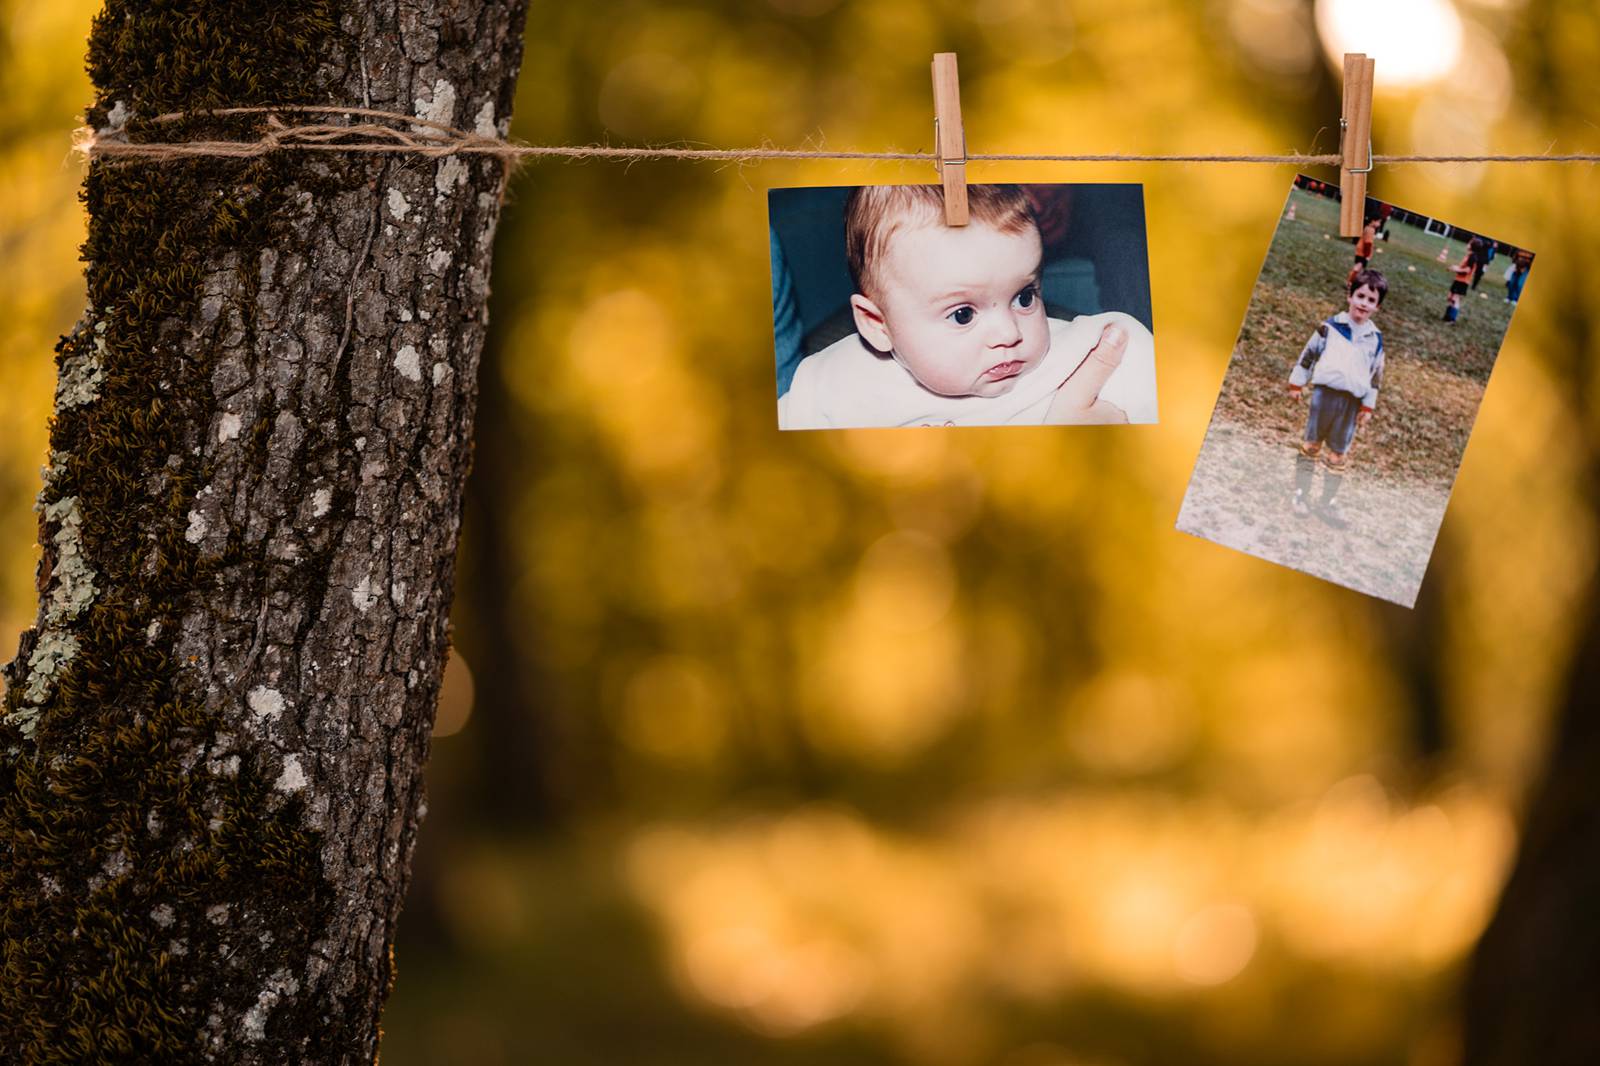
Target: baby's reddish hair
874	213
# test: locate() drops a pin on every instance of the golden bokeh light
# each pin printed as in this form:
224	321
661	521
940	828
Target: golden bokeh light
455	697
806	918
943	748
1413	43
1215	944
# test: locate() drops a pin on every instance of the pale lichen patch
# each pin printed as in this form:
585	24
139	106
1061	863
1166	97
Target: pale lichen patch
452	172
116	865
279	986
363	595
440	104
54	650
53	469
226	766
217	913
163	915
117	117
321	501
72	579
266	705
197	528
438	260
483	122
79	383
406	361
228	428
293	777
399	207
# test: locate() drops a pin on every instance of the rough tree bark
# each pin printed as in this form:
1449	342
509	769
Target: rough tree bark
213	736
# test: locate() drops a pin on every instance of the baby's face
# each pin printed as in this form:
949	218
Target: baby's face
961	307
1363	304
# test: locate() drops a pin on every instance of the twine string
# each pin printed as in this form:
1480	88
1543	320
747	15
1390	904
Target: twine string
416	135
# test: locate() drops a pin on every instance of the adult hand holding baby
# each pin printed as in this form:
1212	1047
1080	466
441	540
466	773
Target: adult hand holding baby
1077	401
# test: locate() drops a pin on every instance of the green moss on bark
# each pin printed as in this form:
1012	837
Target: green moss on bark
123	828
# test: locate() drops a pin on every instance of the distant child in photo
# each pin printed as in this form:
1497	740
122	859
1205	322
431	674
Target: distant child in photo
1520	262
1343	365
1461	280
951	327
1364	245
1485	256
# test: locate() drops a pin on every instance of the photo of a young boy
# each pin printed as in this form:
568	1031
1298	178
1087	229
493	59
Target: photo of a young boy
1342	364
949	325
1385	474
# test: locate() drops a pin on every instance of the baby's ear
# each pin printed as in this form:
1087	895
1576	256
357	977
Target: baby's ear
870	323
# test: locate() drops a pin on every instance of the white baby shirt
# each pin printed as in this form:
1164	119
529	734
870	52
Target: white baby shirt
848	385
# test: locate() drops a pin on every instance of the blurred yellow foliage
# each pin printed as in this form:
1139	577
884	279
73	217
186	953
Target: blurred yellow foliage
932	736
795	920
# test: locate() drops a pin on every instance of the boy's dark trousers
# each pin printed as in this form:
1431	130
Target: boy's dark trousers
1304	467
1330	421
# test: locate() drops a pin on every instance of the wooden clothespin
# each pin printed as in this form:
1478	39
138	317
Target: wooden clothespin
1355	144
950	137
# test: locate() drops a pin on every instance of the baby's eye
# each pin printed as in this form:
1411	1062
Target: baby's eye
962	316
1026	298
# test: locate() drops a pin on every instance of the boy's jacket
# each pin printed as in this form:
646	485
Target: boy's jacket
1345	357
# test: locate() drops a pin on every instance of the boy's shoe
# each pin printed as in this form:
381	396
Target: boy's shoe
1333	514
1300	506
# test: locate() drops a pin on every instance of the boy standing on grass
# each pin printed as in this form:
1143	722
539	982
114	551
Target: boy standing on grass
1343	364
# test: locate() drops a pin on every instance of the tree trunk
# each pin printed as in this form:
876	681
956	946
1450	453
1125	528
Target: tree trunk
213	736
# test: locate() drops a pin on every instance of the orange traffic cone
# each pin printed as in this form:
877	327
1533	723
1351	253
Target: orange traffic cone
1290	215
1444	254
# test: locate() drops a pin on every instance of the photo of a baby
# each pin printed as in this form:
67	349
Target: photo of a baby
1035	313
1302	465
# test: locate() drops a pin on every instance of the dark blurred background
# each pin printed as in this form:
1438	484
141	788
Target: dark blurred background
945	748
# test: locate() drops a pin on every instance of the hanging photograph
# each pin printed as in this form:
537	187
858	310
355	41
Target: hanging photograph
1035	313
1352	390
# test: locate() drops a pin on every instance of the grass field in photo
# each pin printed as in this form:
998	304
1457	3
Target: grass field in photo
1403	462
1435	370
